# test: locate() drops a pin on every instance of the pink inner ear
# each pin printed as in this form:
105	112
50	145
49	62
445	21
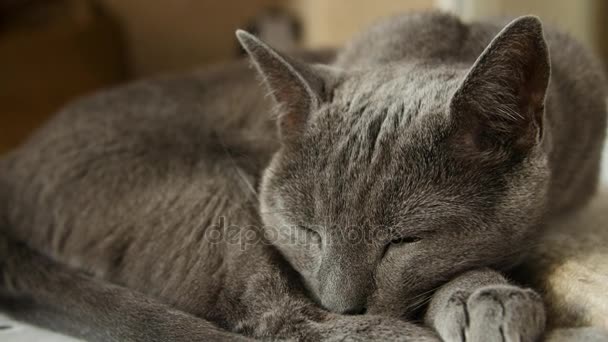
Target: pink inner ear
533	97
294	103
535	82
291	123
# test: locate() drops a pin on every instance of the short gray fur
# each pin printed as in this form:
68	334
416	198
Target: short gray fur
427	156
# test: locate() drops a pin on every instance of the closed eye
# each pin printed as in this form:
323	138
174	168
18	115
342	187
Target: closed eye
316	237
400	241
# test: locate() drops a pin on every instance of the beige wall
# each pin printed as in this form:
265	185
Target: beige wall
332	22
165	35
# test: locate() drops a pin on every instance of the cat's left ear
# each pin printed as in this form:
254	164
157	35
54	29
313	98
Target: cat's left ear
298	88
501	100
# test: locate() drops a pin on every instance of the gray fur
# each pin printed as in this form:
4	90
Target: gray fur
406	163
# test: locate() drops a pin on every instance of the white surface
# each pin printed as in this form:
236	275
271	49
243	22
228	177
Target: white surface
11	331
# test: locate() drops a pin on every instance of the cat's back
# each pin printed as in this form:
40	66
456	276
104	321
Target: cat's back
406	37
147	131
105	183
441	38
170	119
195	105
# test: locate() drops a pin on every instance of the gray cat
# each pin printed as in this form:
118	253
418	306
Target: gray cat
407	172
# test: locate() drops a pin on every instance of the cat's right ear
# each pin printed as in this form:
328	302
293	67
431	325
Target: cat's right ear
501	101
297	88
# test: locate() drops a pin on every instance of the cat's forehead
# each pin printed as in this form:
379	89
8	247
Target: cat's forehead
385	104
430	84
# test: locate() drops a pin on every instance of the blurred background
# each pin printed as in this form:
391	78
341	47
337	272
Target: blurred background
52	51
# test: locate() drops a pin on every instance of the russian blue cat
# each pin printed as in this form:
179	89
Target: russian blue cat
335	202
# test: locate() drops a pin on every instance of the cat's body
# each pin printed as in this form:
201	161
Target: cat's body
146	204
132	185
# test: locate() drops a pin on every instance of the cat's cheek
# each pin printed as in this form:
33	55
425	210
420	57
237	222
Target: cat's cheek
300	248
307	251
408	266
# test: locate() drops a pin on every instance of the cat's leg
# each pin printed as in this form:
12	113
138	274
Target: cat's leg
300	320
481	306
276	307
47	293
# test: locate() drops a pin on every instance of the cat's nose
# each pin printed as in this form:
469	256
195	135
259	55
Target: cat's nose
344	303
344	282
359	310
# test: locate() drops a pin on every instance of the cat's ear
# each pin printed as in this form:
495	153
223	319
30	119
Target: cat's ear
298	88
501	100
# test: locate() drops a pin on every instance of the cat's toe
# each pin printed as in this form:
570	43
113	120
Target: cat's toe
504	313
453	320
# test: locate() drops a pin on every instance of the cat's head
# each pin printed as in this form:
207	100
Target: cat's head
391	181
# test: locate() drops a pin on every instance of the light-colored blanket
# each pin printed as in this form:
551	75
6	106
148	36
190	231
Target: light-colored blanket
570	266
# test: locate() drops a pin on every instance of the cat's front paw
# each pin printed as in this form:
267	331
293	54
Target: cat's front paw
501	313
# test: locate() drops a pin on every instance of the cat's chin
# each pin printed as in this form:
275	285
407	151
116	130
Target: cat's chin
311	292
